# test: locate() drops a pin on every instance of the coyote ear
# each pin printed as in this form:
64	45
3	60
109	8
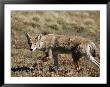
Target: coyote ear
39	36
28	38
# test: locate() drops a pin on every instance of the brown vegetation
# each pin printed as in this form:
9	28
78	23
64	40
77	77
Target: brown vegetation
80	23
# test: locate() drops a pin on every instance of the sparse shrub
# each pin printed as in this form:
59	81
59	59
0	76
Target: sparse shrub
82	23
36	19
52	26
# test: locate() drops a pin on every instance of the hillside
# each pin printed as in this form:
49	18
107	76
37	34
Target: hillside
70	23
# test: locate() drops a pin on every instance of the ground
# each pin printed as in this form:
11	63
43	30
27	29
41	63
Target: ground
26	63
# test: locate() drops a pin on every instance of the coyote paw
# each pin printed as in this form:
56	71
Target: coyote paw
52	68
78	69
45	59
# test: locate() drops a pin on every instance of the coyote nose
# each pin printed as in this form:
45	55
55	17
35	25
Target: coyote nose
31	49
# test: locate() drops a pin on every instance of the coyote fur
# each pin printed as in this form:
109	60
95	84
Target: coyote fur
53	45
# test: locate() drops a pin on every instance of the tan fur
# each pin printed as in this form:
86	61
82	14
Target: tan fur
55	44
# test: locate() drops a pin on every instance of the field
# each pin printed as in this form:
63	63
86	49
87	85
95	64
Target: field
25	63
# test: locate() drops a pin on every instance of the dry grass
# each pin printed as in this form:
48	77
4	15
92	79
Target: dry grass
81	23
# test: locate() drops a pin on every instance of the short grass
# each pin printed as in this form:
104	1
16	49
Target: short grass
80	23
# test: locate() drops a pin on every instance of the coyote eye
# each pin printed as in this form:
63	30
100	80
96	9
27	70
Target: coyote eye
30	43
35	44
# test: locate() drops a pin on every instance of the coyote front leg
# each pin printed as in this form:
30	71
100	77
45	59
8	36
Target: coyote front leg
54	60
50	55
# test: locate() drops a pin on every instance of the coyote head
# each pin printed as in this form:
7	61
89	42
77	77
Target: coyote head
35	43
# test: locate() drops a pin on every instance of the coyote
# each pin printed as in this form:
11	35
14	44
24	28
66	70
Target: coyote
53	45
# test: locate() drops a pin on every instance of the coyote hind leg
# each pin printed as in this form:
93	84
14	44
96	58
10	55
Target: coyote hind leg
87	50
76	56
55	57
77	67
92	59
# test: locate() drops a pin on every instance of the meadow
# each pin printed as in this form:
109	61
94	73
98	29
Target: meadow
25	63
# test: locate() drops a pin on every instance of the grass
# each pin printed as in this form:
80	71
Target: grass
81	23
